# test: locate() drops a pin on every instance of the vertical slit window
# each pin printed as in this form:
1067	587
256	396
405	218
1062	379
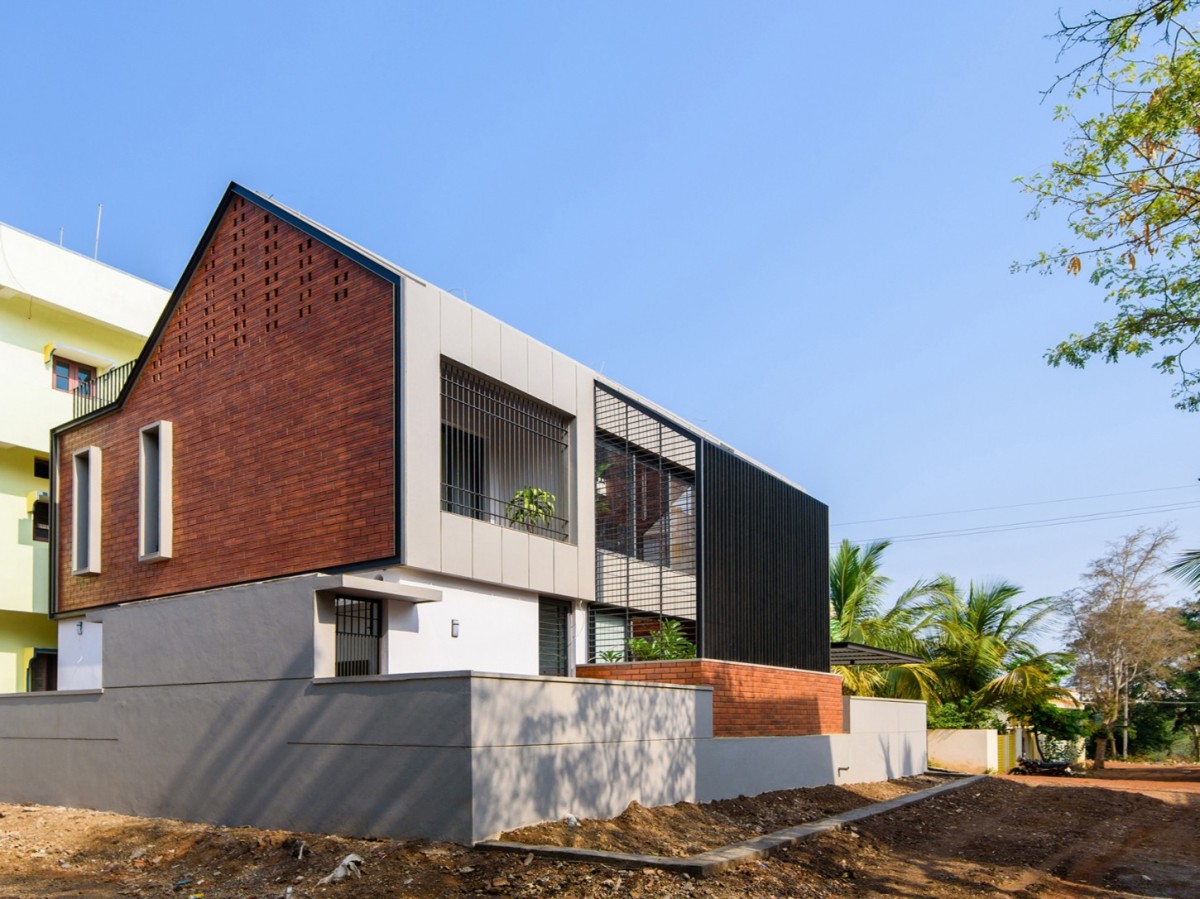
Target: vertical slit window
359	633
155	483
85	505
554	622
505	456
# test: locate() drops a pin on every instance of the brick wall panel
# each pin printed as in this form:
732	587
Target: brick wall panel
276	369
748	700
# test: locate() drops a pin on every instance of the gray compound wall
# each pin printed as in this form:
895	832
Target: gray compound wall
209	711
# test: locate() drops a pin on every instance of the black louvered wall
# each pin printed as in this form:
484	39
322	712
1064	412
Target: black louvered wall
765	567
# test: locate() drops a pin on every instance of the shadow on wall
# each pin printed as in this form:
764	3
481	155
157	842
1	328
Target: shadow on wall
587	748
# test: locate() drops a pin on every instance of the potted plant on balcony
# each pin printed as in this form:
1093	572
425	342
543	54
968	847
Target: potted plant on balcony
531	506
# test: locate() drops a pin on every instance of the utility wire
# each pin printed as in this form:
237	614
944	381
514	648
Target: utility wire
1035	523
1044	502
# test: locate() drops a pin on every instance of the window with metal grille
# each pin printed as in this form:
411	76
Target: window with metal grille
645	527
554	618
41	521
359	631
505	456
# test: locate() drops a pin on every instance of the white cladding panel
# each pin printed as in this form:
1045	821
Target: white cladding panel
80	655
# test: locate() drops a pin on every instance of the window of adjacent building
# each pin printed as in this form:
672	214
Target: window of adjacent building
41	521
42	674
505	456
41	468
554	618
85	506
359	635
154	491
71	376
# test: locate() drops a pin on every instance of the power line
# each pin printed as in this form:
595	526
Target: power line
1044	502
1035	523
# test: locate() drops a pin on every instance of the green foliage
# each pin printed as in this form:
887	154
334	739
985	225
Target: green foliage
1129	181
857	615
980	646
668	642
962	715
531	506
1065	725
611	655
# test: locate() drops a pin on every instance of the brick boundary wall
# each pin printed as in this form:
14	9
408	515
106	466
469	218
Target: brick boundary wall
748	700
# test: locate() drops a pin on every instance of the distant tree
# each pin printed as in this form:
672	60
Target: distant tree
1130	183
1121	631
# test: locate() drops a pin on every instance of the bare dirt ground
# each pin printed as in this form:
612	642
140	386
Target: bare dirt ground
1128	831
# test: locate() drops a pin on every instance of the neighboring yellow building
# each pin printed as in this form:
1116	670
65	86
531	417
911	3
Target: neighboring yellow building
65	320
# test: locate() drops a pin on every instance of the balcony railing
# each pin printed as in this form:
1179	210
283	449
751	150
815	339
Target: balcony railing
101	392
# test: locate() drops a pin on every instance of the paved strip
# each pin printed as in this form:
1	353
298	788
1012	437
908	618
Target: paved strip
717	860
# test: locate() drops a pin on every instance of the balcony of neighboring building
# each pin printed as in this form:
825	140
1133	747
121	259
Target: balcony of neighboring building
65	320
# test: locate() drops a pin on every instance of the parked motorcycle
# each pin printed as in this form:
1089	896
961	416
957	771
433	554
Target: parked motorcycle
1045	769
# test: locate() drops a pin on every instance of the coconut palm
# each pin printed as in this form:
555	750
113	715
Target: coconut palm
1187	568
857	615
980	646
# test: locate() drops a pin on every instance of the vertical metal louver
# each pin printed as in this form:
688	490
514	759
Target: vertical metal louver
503	456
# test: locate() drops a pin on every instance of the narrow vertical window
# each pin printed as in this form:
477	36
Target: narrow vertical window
85	504
155	488
554	627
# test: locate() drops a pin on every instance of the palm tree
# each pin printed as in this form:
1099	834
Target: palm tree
980	647
1187	568
857	615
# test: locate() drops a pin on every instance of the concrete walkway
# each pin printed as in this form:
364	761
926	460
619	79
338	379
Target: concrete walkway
716	860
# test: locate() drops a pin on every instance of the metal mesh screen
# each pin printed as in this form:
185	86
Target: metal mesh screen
359	628
645	529
504	456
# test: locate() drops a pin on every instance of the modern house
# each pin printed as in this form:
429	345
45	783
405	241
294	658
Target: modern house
340	551
65	320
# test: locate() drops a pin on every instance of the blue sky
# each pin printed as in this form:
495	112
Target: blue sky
792	226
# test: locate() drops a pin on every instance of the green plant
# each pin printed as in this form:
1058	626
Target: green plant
531	506
668	642
961	715
611	655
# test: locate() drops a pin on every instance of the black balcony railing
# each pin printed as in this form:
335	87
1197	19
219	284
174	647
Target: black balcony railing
101	392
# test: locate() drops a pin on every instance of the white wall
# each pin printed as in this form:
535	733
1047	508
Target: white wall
497	628
888	738
80	656
972	751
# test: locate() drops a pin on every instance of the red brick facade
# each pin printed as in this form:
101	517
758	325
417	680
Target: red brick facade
277	369
748	700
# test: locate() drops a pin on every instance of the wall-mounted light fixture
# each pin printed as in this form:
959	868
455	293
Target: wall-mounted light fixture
454	627
79	628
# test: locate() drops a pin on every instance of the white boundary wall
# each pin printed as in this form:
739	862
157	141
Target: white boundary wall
972	751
